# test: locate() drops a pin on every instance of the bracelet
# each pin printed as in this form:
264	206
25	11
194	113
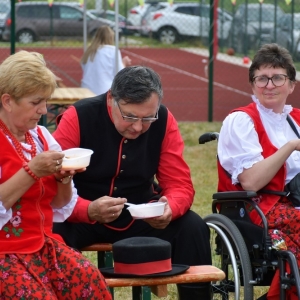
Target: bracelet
27	169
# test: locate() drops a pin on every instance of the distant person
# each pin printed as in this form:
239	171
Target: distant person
99	62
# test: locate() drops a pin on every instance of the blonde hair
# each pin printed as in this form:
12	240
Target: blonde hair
25	73
104	36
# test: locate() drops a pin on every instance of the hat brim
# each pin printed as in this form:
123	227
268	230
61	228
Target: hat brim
176	270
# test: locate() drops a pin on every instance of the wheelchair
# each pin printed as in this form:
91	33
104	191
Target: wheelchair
242	249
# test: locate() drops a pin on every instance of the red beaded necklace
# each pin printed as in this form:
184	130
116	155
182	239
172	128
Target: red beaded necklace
19	147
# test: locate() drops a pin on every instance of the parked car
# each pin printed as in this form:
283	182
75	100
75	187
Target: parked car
287	34
125	25
249	32
137	12
4	13
145	29
38	20
187	20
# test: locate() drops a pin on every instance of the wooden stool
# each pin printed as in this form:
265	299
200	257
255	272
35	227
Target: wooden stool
159	284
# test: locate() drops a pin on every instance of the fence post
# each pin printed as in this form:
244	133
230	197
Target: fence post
213	50
12	28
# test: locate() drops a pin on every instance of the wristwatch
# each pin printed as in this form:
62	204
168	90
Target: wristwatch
65	180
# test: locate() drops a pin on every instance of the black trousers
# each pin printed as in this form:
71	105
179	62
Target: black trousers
188	235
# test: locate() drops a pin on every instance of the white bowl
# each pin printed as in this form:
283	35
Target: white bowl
148	210
76	158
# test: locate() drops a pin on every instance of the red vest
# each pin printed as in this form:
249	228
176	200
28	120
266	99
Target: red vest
32	215
265	201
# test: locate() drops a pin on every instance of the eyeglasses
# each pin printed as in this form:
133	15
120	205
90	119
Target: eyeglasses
135	119
277	80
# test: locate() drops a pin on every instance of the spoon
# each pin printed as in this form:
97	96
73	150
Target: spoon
129	204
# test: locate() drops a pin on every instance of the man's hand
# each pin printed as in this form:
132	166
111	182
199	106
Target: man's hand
106	209
164	220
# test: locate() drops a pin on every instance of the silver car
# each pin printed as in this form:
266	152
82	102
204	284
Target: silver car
288	34
4	13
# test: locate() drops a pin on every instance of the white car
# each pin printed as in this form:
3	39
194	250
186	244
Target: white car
187	20
136	13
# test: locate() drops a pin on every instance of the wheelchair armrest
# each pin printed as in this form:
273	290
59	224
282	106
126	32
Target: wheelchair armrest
230	198
208	137
233	195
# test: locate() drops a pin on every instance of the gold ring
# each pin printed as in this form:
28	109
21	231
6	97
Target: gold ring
56	168
57	162
113	215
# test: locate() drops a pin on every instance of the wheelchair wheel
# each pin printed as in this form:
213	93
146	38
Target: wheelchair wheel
230	254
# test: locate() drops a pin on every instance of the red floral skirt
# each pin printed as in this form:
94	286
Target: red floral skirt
284	229
54	272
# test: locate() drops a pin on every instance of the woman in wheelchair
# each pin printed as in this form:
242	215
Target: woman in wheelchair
259	148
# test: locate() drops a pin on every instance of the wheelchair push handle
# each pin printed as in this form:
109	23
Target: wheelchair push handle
208	137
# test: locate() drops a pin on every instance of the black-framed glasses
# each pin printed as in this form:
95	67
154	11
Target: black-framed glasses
135	119
277	80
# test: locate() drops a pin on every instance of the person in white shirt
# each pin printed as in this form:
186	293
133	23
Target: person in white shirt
99	63
259	148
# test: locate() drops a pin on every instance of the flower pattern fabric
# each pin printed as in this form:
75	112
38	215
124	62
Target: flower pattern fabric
56	272
284	227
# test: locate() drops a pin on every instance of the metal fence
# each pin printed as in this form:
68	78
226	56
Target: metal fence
176	39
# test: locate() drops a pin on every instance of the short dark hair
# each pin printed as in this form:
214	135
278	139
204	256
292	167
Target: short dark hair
135	84
274	56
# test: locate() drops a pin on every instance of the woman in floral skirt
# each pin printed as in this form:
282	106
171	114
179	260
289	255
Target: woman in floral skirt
34	192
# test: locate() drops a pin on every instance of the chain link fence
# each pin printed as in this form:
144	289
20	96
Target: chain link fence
175	39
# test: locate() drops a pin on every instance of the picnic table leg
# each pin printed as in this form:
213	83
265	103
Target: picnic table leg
141	293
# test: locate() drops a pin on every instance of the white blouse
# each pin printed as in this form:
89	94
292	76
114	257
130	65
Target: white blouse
239	147
59	215
98	74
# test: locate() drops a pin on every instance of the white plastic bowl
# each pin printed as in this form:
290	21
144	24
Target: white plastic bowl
76	158
149	210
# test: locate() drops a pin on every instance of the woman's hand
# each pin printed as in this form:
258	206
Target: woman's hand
50	162
46	163
126	61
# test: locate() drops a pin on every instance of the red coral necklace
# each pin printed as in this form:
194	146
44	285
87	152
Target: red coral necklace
19	147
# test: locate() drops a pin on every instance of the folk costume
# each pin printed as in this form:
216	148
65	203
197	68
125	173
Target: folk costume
123	167
254	133
35	263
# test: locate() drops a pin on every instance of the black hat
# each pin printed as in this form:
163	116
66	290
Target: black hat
142	257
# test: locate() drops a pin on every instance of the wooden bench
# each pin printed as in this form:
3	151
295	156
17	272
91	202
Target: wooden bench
157	285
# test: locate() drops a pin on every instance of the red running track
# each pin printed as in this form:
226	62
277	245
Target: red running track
183	77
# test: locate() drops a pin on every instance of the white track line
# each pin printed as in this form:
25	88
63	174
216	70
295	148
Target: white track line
186	73
226	58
